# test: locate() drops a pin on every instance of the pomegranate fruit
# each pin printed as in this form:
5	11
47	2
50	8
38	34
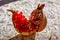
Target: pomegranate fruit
36	23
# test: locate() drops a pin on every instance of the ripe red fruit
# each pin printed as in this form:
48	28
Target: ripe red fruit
37	21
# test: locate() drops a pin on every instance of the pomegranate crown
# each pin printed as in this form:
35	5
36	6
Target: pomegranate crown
40	6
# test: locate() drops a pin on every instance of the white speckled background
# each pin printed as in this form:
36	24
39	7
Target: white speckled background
51	10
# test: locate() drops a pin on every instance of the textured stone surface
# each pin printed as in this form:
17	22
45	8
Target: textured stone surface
51	10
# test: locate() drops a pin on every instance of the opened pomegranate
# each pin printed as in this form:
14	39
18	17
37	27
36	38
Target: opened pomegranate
36	22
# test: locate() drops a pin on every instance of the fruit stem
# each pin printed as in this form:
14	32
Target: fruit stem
13	11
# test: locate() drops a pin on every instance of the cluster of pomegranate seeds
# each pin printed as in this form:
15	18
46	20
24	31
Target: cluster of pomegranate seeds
21	23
